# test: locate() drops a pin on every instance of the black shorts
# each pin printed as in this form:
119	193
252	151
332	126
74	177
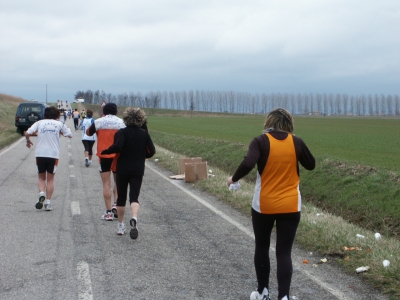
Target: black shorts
105	164
46	164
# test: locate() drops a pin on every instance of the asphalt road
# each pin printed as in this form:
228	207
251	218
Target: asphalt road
190	245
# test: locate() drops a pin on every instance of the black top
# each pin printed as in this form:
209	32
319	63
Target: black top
134	145
259	151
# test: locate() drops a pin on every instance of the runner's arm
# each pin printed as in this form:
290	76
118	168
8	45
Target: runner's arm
91	130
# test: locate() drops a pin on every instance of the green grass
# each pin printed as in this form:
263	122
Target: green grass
8	108
364	141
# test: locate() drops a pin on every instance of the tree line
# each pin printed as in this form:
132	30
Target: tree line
253	103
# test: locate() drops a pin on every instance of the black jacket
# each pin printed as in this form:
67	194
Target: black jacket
134	145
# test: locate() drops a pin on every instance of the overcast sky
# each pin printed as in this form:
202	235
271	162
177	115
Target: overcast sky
271	46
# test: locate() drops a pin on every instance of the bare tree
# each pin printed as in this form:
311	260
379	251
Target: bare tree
397	105
389	102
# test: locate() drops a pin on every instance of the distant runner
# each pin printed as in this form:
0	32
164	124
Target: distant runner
88	141
76	116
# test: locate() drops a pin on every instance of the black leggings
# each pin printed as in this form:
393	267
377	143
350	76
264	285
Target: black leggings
286	227
135	183
88	146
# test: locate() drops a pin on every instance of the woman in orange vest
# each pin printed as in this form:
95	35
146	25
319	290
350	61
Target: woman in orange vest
277	199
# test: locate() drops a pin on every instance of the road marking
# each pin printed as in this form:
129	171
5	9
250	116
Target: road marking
71	175
322	284
71	166
85	285
206	204
75	209
12	146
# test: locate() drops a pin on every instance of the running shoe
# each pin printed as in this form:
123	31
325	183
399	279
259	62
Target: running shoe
121	228
42	197
257	296
114	208
134	231
108	216
87	162
48	207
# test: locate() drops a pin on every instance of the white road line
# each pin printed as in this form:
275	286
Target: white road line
322	284
75	209
11	147
85	285
71	175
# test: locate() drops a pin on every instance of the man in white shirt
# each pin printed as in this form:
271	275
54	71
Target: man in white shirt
47	152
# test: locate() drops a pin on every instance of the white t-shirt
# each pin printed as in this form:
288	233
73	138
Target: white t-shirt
85	124
48	133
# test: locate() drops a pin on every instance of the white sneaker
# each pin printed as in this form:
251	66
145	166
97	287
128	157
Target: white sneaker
257	296
121	228
86	162
48	207
285	298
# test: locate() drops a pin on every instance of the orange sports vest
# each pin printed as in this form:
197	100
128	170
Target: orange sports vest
279	186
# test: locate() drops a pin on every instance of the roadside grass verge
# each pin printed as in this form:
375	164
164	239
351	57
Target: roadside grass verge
319	231
8	108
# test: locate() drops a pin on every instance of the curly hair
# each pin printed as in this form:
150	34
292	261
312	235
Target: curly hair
51	112
134	117
89	113
279	119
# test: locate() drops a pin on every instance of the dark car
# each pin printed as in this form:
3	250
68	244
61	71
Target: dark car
27	114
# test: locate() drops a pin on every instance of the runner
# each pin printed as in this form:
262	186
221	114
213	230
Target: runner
277	198
76	118
105	128
134	145
47	152
88	141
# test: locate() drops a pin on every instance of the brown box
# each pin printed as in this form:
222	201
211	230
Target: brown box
183	161
195	171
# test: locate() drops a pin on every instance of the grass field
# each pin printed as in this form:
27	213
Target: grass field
374	142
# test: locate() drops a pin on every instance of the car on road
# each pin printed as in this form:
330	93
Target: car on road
27	114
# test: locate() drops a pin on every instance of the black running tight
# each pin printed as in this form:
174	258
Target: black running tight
134	182
286	227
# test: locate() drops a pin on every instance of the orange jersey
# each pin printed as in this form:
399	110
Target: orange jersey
106	127
277	188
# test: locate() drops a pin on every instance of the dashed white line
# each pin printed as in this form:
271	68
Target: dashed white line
75	209
85	285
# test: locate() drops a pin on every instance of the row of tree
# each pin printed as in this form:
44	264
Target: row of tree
254	103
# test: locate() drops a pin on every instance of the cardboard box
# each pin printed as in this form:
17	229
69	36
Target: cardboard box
183	161
195	171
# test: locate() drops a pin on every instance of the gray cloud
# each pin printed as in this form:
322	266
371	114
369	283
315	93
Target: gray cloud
259	46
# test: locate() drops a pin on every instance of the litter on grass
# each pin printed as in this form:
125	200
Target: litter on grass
362	269
386	263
